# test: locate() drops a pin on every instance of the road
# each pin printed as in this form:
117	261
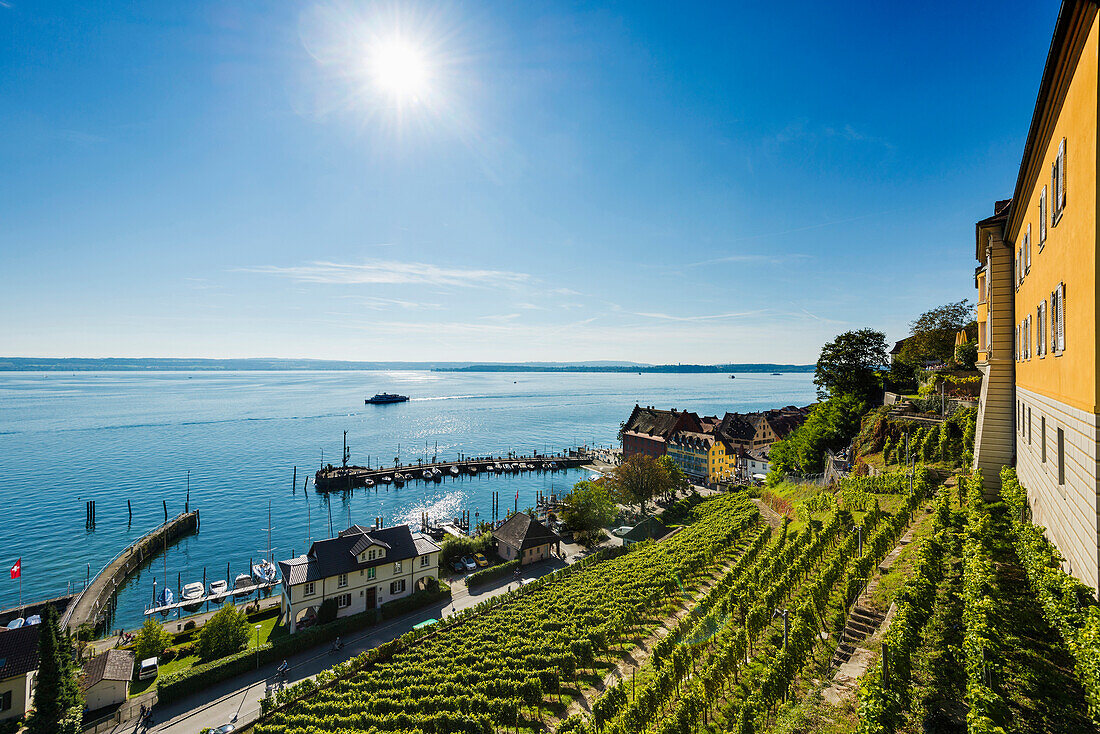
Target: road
238	700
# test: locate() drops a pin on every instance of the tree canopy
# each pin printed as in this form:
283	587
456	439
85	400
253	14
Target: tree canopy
58	701
589	507
932	334
638	480
151	640
831	425
850	364
223	634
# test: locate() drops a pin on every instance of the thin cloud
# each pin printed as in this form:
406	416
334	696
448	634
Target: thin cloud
764	259
381	304
388	272
709	317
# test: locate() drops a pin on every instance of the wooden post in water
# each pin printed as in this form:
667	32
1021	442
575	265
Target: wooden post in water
165	510
129	512
294	482
187	501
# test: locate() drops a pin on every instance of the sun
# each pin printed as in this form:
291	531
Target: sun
400	69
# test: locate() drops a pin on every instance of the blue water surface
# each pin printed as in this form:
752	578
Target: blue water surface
118	436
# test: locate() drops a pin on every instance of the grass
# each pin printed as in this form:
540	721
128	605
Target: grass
269	632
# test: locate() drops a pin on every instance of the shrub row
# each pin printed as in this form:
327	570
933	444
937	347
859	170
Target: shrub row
492	573
1068	605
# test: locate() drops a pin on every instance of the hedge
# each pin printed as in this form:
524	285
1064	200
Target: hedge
176	685
492	573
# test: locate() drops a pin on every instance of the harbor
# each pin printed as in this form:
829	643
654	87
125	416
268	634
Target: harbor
342	478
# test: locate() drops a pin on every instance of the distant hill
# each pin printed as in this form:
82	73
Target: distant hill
644	368
122	364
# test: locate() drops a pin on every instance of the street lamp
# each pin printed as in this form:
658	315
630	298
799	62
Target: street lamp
258	646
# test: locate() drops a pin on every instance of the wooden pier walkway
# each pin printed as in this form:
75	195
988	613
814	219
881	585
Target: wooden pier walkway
342	478
93	604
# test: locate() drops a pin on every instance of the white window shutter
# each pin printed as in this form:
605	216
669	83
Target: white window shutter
1027	249
1062	175
1061	316
1042	216
1039	331
1054	321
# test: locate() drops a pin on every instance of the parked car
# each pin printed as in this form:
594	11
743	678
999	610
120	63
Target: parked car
622	530
224	729
481	560
470	563
458	566
148	669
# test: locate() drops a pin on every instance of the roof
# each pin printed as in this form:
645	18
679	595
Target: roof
648	529
736	427
338	555
19	651
424	544
1071	30
692	439
111	665
656	422
783	423
521	531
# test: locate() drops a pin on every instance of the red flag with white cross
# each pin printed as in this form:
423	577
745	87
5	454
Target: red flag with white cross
17	569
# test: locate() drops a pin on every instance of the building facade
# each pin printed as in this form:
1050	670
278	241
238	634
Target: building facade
359	570
648	430
18	665
523	538
1037	306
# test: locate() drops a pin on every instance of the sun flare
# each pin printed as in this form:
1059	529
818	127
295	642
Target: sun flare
400	69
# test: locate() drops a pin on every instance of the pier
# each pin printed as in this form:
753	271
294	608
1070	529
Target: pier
92	605
342	478
194	604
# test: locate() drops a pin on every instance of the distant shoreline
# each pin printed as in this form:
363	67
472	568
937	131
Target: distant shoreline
120	364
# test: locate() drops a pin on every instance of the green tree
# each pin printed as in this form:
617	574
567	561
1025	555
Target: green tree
589	507
887	451
638	480
850	365
58	701
830	425
223	634
932	334
151	640
677	479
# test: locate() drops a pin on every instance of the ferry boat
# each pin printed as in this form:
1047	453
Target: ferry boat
384	398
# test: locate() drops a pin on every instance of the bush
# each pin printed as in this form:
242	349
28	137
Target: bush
151	640
189	625
223	634
454	548
327	612
492	573
417	599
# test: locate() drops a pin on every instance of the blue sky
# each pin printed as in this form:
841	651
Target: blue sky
660	182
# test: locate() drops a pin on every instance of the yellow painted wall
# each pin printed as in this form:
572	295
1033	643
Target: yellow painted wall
1069	254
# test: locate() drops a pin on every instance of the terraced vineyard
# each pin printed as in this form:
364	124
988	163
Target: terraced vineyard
989	636
497	669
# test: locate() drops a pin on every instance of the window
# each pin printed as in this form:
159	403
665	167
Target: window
370	555
397	587
310	589
341	581
1058	319
1061	456
370	573
397	567
343	601
1029	426
1058	183
1041	330
5	700
1026	339
1042	218
425	560
1043	439
1027	250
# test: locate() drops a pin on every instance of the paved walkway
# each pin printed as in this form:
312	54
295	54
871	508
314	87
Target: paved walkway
238	700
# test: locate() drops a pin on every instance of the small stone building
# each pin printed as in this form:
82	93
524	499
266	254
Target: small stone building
107	678
525	538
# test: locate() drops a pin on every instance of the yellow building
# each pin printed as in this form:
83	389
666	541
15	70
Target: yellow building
1037	305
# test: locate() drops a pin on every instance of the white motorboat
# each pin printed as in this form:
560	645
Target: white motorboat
243	581
16	623
219	589
192	596
33	620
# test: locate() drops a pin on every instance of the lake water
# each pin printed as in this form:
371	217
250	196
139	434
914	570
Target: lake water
118	436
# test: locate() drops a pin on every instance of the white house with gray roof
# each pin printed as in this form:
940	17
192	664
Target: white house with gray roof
360	569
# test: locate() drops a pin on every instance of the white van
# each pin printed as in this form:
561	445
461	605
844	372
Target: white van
148	669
